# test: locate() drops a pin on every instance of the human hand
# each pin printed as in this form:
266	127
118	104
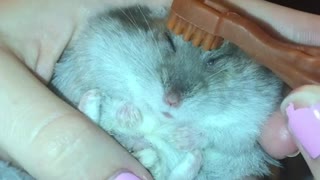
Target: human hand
38	131
298	27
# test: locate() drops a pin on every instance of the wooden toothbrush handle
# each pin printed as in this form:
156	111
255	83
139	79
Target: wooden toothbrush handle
297	65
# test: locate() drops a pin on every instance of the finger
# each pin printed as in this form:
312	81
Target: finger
297	26
276	139
43	38
50	139
303	112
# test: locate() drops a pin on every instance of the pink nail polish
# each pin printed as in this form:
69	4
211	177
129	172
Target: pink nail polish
304	123
126	176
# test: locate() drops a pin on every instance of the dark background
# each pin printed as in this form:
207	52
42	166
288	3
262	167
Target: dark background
311	6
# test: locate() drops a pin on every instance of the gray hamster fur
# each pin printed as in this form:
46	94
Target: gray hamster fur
183	112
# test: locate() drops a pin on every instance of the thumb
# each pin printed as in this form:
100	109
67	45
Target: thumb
51	140
302	107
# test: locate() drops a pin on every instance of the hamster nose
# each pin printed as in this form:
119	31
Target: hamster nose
172	99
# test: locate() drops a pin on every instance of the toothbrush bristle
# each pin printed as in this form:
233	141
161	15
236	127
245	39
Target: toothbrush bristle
197	37
172	21
188	33
208	41
192	33
217	42
179	27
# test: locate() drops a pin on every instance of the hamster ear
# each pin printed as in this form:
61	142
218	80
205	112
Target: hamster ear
159	12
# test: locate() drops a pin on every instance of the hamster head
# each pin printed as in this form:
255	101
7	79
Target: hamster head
196	85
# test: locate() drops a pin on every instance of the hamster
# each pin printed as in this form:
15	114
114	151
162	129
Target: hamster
9	172
183	112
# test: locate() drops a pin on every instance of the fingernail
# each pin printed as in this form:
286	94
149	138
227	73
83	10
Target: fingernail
126	176
294	154
302	97
304	123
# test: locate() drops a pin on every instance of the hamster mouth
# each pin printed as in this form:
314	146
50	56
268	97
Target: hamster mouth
167	115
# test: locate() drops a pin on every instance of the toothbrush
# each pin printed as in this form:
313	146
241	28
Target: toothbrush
208	22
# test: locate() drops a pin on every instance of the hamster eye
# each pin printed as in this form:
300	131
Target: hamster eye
169	39
210	63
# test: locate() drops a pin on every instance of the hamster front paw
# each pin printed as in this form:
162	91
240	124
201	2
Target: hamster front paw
148	157
188	138
128	115
119	113
189	167
90	104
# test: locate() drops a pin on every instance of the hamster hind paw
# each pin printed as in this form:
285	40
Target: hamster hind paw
189	167
188	138
147	157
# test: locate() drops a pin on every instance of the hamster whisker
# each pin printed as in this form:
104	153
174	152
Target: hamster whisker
153	38
220	71
131	19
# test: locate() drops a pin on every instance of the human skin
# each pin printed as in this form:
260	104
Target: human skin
51	140
298	27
